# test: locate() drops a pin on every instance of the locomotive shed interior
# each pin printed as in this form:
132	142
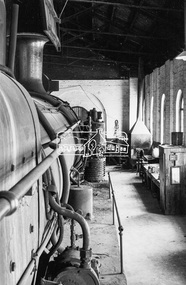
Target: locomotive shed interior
92	114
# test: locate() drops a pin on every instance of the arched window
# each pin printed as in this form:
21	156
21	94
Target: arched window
162	119
151	116
179	111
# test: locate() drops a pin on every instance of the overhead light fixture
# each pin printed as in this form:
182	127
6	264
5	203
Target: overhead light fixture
182	55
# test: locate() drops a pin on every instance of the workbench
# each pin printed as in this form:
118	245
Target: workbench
150	176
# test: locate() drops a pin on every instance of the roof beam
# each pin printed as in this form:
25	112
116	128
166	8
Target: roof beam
128	5
88	59
108	50
79	13
113	34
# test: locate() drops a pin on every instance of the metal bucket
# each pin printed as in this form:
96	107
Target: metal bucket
81	198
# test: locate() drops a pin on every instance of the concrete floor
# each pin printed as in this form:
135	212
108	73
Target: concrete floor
104	237
154	244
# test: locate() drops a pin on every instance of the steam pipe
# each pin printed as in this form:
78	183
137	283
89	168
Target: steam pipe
85	251
66	179
46	125
59	104
13	36
57	242
2	33
75	216
9	199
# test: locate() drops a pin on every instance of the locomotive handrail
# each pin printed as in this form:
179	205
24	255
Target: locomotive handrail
23	186
9	199
68	130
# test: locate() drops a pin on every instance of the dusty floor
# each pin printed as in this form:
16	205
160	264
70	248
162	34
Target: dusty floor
154	244
104	237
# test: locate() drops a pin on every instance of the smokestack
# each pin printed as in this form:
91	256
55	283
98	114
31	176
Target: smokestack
29	61
2	33
140	89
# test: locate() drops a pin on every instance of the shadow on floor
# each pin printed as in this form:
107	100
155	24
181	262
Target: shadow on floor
154	243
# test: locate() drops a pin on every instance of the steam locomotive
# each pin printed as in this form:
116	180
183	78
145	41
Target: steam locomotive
35	126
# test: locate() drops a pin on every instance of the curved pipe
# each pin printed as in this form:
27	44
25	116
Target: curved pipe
66	179
58	103
73	181
54	239
52	136
75	216
66	176
57	241
46	125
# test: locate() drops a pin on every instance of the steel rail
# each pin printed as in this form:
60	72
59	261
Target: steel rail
120	227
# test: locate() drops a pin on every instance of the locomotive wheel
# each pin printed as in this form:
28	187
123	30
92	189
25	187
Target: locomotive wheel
77	276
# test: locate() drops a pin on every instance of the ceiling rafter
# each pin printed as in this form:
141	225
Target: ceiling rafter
89	46
90	59
74	37
79	13
99	32
111	11
133	16
119	26
128	5
110	50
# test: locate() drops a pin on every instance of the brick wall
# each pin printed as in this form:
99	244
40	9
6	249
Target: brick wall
167	79
109	96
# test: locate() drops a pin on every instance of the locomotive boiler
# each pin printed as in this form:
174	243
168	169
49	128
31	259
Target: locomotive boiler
35	128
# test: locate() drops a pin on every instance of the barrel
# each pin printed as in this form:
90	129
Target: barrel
177	138
95	171
81	199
